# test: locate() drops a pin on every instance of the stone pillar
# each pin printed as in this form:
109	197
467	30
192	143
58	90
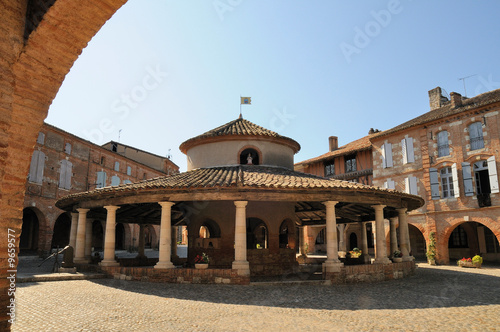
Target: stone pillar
141	244
165	250
393	235
88	239
240	240
342	241
332	263
404	235
80	237
109	237
364	244
74	227
302	242
381	252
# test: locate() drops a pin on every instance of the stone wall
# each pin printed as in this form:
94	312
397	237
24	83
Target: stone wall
371	273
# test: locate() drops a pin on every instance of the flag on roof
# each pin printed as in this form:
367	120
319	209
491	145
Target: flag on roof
246	100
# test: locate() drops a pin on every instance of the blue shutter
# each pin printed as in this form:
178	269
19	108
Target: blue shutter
433	174
467	175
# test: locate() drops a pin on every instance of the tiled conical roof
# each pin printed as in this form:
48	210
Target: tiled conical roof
240	128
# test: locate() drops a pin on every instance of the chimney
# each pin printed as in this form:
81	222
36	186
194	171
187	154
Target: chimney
456	99
333	142
436	99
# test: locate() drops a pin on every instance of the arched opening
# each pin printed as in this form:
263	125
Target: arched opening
62	229
249	157
97	235
417	242
208	235
257	234
148	236
353	241
28	242
287	235
119	236
472	238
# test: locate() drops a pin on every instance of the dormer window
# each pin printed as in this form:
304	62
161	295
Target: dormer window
249	157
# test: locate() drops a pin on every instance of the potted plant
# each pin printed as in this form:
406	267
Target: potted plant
355	253
397	256
475	261
431	249
201	261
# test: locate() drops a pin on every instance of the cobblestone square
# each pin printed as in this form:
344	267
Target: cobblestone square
443	298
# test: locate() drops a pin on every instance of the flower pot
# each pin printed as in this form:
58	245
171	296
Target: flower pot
201	266
397	259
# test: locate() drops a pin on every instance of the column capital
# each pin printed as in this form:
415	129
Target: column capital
240	204
329	203
402	211
80	210
378	207
111	208
166	204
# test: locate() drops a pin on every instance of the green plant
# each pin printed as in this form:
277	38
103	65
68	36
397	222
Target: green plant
477	259
397	253
431	249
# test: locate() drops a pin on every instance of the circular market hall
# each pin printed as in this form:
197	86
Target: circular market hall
244	207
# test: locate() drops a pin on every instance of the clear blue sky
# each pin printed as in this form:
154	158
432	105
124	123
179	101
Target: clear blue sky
164	71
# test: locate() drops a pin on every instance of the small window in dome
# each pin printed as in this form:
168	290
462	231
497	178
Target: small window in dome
249	157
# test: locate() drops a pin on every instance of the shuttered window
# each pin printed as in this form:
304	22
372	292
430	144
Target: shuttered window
387	155
476	136
36	167
407	150
115	180
65	174
433	173
67	148
447	182
443	144
117	166
41	138
389	184
454	178
101	179
411	185
492	172
129	170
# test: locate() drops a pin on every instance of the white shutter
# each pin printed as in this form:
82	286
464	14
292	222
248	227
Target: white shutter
409	150
36	167
467	175
404	153
68	175
62	174
413	185
454	176
407	185
387	154
391	184
433	173
384	160
492	171
101	179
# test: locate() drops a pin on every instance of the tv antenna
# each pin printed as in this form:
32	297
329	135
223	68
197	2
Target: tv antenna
463	80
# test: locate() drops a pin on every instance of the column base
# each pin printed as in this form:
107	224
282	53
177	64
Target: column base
164	265
332	266
243	267
109	263
408	258
383	260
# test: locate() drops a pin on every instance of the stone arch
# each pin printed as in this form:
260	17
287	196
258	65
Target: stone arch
150	238
255	153
30	232
257	233
61	231
211	229
418	246
353	241
287	234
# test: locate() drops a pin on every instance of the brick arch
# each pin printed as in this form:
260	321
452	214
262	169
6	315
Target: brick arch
491	224
32	73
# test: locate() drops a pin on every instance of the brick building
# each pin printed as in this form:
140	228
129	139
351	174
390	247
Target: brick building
448	156
63	164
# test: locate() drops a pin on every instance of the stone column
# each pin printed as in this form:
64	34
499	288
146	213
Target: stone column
381	252
88	239
109	237
141	244
404	235
364	244
240	240
393	235
302	241
332	263
72	233
165	250
80	237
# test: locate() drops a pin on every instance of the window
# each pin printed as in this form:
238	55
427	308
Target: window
115	180
407	150
492	245
350	163
103	160
458	238
387	155
329	168
114	147
67	148
411	185
249	157
36	167
117	166
129	170
65	174
389	184
443	144
447	182
41	138
101	180
127	181
476	136
144	176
